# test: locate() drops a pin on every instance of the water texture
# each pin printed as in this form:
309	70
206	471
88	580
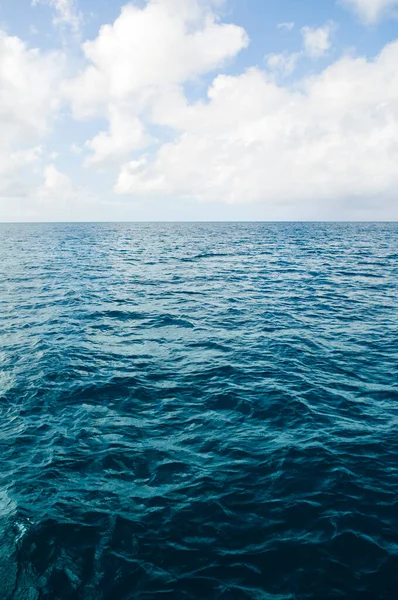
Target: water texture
198	411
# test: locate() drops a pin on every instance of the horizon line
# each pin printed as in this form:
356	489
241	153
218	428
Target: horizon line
188	222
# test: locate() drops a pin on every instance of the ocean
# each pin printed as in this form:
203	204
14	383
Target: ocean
199	411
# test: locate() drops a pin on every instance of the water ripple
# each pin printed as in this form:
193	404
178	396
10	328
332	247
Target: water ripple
195	411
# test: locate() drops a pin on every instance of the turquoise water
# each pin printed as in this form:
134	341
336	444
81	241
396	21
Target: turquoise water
198	411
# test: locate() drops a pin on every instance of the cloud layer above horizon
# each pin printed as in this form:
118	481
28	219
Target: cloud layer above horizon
154	117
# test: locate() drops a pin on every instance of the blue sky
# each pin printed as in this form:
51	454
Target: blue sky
198	110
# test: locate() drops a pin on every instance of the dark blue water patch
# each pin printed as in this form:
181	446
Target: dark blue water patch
199	411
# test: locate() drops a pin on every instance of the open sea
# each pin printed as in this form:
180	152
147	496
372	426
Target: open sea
199	411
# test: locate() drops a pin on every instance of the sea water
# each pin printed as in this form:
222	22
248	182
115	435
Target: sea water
199	411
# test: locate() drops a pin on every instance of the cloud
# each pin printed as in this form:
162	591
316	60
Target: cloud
165	43
316	43
58	189
286	26
371	11
318	145
126	133
283	64
29	94
66	13
317	40
29	101
16	169
54	197
329	141
55	183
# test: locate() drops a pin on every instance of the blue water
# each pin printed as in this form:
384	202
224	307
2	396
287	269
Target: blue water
198	411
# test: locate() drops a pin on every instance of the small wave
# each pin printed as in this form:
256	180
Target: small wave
7	506
209	411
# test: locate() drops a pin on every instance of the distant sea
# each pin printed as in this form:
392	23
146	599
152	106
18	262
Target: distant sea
199	411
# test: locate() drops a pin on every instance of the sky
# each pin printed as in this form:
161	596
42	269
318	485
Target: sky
186	110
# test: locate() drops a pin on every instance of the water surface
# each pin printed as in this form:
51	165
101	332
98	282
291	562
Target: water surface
198	411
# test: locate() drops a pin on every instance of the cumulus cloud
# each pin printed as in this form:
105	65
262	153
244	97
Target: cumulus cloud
325	140
55	183
29	100
58	189
316	43
284	63
331	139
16	169
317	40
370	11
53	197
126	133
29	94
165	43
65	13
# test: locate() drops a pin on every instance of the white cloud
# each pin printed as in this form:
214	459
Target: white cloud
320	145
56	187
317	40
65	13
284	63
76	149
126	133
371	11
286	26
16	169
29	100
54	197
166	43
28	90
331	140
316	43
